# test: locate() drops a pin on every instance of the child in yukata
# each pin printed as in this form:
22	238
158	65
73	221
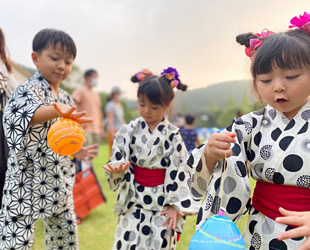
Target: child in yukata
274	142
39	182
147	168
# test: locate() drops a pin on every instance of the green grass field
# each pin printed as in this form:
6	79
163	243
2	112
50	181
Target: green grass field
97	230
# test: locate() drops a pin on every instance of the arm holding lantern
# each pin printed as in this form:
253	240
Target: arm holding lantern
47	113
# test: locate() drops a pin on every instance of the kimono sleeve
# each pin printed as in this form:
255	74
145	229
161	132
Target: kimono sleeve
178	179
18	113
120	154
236	189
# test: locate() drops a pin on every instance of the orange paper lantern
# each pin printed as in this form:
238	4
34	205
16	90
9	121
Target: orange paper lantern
66	137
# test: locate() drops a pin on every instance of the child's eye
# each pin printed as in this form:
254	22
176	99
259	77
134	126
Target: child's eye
292	77
68	63
154	108
141	105
266	81
54	58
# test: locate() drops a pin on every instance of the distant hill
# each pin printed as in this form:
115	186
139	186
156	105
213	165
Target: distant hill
199	100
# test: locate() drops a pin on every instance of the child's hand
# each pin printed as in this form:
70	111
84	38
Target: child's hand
87	152
172	215
218	147
66	111
300	219
116	169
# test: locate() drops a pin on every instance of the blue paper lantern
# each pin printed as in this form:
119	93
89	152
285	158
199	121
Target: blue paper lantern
218	233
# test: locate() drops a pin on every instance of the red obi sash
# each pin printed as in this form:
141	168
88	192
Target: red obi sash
268	197
149	177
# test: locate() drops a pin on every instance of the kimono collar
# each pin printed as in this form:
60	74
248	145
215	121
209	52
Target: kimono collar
281	119
160	126
38	76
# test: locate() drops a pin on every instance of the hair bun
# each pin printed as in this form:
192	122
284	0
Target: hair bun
182	87
140	76
244	39
134	79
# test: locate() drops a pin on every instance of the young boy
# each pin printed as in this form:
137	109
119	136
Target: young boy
189	134
39	182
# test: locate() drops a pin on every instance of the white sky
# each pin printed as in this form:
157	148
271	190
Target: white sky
120	37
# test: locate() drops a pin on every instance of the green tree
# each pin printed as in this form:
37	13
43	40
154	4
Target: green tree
231	101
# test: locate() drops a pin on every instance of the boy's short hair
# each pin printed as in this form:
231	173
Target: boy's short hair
51	37
189	119
89	72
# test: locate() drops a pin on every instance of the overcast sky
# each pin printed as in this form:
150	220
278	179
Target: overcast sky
120	37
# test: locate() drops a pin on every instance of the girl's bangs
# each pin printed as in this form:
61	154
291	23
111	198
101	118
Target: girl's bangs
280	51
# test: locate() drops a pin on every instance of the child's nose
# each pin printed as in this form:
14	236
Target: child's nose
279	85
61	64
147	110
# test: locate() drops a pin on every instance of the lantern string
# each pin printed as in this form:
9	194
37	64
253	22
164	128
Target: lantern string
222	181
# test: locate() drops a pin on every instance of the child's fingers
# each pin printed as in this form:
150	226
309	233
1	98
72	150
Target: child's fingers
170	224
110	167
223	145
166	220
91	156
84	120
285	212
79	114
293	233
174	223
67	113
290	220
181	214
220	153
91	151
106	167
225	137
92	146
231	134
127	165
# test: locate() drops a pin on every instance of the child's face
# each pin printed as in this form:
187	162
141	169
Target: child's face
152	113
53	63
284	90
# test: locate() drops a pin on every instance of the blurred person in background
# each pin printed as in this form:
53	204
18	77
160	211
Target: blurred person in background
86	99
7	85
115	115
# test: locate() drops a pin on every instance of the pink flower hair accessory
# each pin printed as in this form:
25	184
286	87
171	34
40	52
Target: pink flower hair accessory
301	22
172	75
144	73
255	43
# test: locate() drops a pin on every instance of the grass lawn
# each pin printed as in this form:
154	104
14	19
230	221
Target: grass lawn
97	230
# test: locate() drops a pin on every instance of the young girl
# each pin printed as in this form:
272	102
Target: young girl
147	168
275	142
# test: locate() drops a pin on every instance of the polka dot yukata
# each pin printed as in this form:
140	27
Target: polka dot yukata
138	207
38	182
278	151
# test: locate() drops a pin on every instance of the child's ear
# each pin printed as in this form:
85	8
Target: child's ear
34	56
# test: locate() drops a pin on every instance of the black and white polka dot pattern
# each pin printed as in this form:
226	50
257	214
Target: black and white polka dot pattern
140	225
278	150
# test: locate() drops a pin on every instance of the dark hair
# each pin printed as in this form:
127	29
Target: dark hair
3	53
286	50
157	89
189	119
89	72
51	37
